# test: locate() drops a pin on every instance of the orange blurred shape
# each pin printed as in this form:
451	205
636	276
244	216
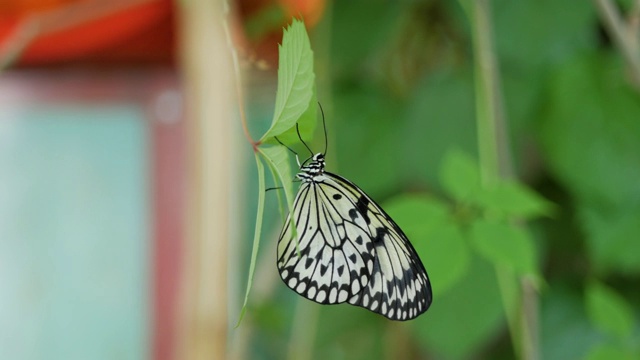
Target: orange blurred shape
310	10
23	7
263	47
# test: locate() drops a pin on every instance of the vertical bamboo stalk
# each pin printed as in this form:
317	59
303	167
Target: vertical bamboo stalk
207	75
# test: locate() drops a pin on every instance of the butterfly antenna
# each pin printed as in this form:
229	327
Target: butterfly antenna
324	125
288	148
305	144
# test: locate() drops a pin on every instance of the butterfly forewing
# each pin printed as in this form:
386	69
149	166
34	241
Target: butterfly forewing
350	250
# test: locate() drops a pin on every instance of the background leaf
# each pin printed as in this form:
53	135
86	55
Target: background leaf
608	310
460	175
511	199
505	244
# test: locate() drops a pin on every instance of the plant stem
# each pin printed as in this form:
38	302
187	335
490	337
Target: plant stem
626	41
486	107
238	77
495	162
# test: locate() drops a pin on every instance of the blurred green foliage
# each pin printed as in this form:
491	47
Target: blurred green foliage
399	100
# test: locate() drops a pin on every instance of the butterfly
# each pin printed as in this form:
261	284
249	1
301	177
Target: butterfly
348	250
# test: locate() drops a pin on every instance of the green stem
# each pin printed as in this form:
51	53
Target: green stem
508	287
237	75
495	162
486	112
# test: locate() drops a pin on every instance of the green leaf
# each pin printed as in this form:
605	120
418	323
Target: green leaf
278	162
282	207
512	199
426	223
460	175
446	271
609	311
256	236
296	80
306	125
505	244
417	213
278	159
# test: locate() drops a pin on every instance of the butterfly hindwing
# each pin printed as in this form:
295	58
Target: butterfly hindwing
399	287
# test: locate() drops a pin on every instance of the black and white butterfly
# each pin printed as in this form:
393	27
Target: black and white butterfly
349	250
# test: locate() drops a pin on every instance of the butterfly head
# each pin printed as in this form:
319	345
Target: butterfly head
312	169
318	158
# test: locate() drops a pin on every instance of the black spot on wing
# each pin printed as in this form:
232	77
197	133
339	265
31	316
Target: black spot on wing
305	251
353	214
323	269
363	207
380	233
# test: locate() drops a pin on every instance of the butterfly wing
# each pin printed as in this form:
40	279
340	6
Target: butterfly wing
399	286
351	250
332	261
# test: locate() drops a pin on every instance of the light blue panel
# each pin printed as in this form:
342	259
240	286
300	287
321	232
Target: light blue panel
74	233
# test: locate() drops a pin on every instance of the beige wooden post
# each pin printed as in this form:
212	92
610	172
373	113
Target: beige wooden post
206	71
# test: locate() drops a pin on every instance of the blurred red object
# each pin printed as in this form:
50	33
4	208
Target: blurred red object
53	32
35	33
